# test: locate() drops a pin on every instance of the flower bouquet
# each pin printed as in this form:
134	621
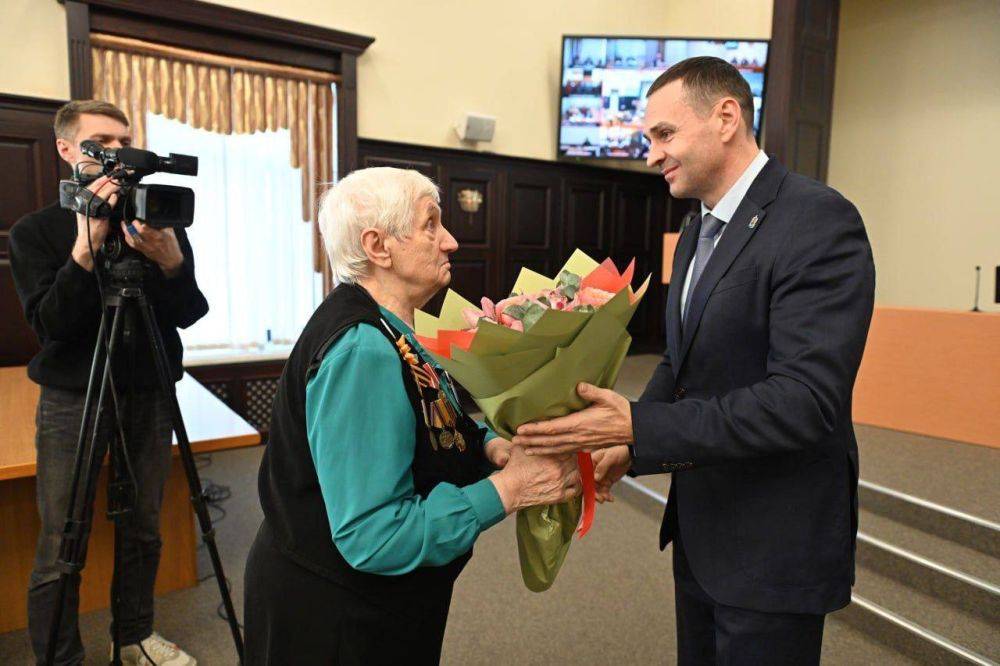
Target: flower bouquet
521	359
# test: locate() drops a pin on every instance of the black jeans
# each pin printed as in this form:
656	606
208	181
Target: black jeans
711	633
148	431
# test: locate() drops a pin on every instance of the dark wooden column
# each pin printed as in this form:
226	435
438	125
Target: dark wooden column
81	78
347	116
801	62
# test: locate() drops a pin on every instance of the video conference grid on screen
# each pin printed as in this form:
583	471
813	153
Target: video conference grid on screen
604	84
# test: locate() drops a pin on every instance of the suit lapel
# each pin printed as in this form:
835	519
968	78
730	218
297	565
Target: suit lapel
682	257
737	234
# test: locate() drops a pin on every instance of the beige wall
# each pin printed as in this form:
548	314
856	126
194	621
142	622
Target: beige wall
916	118
916	143
431	61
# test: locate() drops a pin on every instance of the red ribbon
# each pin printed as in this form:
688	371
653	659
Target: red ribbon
586	464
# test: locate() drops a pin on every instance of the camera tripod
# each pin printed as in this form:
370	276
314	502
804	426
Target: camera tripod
126	300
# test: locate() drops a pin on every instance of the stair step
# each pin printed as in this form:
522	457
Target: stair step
931	518
904	636
937	616
949	617
964	577
958	475
932	546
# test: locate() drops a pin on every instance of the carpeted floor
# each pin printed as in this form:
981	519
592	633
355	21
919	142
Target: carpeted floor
612	603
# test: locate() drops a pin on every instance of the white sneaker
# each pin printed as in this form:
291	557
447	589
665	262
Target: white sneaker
158	649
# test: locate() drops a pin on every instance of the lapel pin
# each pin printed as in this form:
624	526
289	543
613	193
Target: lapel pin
753	222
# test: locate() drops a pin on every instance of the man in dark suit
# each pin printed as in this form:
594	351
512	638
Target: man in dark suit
750	408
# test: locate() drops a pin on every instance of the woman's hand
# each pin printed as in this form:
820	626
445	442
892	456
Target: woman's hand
534	480
498	452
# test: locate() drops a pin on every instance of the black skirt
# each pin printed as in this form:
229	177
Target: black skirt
295	616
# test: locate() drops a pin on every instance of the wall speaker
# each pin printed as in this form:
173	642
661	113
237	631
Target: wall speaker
476	127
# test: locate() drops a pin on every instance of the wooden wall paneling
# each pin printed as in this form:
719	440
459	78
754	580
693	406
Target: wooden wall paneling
429	169
474	269
640	221
588	216
532	238
32	170
542	211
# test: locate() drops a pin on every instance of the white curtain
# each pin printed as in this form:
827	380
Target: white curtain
252	251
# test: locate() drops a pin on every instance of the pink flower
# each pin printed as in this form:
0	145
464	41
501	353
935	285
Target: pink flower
495	313
591	296
512	300
553	299
556	298
511	323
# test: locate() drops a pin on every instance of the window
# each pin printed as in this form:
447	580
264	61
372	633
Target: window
253	252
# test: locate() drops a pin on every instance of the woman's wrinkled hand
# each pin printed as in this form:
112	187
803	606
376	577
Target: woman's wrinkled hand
536	480
498	452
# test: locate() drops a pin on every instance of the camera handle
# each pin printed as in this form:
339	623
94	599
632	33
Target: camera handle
88	461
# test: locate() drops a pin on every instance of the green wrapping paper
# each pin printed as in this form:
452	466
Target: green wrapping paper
518	377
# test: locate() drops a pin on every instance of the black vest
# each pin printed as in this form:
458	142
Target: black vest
289	486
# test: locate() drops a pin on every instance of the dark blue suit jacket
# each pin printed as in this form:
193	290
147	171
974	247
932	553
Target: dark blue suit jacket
750	407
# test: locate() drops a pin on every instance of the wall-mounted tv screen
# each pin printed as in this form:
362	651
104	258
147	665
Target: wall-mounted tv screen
605	79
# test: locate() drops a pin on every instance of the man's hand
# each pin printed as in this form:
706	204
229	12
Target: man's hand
530	481
606	422
610	465
498	452
97	229
159	245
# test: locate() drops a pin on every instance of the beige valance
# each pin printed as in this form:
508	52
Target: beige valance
224	95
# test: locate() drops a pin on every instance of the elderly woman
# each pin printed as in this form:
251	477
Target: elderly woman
375	483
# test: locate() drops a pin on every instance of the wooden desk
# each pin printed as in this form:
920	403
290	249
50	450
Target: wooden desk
932	372
211	426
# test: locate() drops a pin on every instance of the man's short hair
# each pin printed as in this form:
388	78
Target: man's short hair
68	116
706	80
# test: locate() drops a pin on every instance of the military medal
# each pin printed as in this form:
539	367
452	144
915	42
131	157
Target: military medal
439	415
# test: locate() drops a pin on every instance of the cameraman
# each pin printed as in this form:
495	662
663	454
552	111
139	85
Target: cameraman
54	273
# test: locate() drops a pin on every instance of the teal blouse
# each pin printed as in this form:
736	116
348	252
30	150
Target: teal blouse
361	430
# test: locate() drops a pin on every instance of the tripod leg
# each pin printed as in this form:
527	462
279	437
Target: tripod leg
190	470
78	514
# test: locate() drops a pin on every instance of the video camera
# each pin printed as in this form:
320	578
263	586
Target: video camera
159	206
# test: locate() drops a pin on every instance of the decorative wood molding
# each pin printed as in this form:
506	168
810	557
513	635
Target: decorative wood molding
81	79
218	18
347	116
799	104
231	32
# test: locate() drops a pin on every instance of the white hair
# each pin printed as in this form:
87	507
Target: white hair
382	198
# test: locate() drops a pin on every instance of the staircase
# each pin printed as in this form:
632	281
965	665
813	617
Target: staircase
927	575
